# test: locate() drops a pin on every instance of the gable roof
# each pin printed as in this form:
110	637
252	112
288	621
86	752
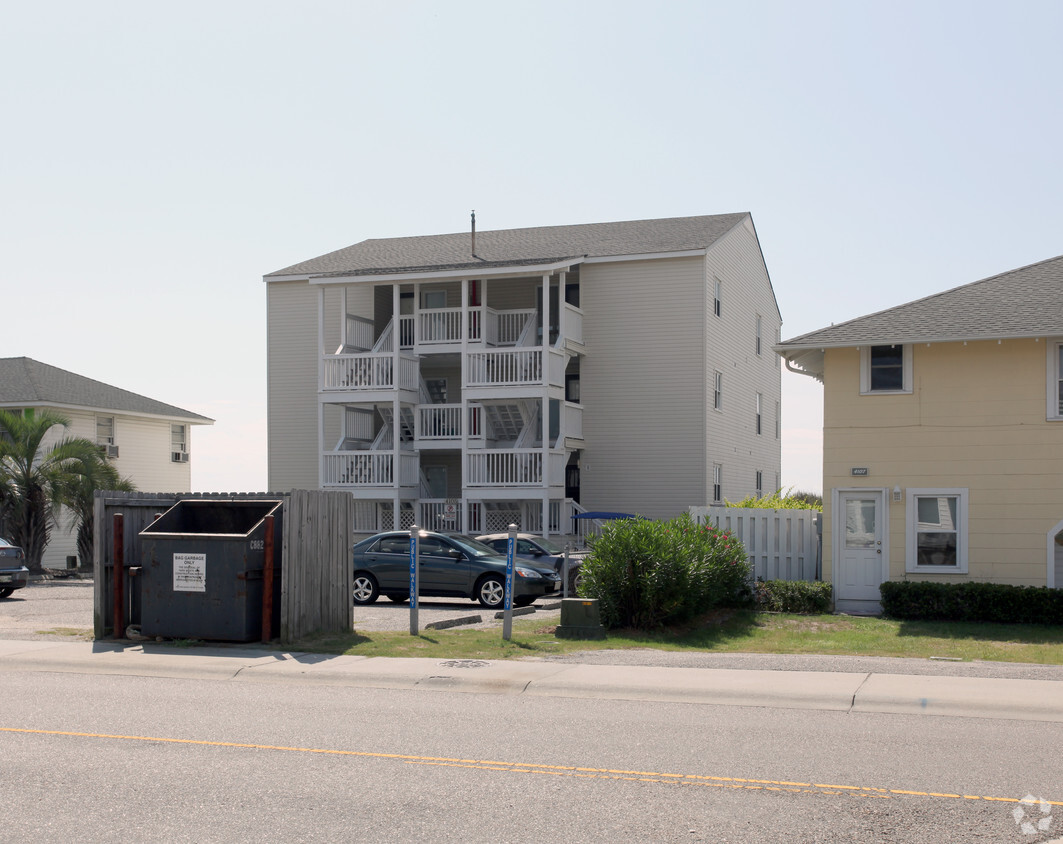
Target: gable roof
1025	302
26	382
518	247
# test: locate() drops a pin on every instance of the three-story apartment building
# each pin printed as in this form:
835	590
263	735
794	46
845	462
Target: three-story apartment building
468	381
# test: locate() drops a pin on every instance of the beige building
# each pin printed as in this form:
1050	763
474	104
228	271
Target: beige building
148	441
943	437
467	381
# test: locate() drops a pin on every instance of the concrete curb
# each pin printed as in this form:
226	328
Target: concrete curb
1030	700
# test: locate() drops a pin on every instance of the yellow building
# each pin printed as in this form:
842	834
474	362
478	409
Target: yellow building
943	437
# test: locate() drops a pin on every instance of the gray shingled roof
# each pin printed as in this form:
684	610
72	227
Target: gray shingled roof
1026	302
518	246
26	382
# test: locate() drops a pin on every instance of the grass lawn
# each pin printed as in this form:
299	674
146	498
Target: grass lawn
728	632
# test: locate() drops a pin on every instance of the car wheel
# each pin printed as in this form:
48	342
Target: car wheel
491	592
365	588
575	582
399	599
6	591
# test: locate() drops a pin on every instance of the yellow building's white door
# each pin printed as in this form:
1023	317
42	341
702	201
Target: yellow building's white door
859	569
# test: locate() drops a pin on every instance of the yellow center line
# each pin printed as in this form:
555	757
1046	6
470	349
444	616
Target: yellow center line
665	778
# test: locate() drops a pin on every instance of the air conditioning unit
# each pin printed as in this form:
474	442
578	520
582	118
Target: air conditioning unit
180	457
112	451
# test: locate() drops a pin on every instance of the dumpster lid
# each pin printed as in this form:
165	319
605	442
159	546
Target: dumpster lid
213	517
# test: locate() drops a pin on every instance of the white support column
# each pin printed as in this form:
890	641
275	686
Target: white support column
343	316
463	461
321	338
546	514
561	305
320	386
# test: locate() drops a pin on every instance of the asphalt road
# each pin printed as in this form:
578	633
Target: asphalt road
101	758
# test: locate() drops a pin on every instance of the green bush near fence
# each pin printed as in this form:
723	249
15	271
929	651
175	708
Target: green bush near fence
646	574
792	596
983	602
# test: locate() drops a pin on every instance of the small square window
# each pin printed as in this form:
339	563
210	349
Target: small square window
885	369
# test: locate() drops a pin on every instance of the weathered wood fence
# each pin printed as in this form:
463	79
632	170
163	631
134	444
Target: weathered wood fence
316	581
782	544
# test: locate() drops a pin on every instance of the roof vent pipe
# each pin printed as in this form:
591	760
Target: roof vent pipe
474	232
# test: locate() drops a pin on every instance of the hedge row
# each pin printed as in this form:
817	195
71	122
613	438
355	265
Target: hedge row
994	602
797	596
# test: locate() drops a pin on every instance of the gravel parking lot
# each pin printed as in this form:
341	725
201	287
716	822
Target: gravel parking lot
63	608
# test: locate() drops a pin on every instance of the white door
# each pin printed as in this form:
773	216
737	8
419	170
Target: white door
859	561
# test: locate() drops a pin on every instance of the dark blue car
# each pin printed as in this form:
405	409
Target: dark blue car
452	566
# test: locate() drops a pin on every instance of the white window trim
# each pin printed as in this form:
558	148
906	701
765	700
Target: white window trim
865	371
105	440
717	297
717	391
911	519
1052	390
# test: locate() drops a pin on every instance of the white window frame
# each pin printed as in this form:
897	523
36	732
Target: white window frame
717	390
758	334
760	414
717	482
1054	391
104	440
717	297
182	442
865	371
911	526
758	483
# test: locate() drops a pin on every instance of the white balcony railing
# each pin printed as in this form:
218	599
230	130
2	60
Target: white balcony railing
370	371
501	367
573	426
368	468
574	323
439	422
504	467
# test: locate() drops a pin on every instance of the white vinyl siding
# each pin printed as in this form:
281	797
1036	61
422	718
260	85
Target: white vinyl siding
643	386
1055	380
291	371
731	437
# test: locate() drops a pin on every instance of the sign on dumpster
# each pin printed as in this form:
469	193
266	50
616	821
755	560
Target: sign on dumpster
189	572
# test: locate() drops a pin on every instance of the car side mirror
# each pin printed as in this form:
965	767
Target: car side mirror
456	554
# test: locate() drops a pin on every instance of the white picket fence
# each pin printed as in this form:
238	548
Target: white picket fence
782	544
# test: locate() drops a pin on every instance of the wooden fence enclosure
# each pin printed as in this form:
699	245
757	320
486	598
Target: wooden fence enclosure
316	582
782	544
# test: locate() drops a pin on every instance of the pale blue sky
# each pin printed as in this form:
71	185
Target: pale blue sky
158	159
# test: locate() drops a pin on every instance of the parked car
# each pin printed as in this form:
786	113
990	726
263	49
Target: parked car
540	551
452	566
13	574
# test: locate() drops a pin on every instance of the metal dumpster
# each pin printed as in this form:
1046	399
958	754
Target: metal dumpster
202	570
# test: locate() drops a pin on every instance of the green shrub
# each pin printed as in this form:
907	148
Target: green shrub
780	500
993	602
798	596
649	573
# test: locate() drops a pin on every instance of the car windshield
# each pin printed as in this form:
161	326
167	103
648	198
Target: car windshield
5	544
548	545
472	547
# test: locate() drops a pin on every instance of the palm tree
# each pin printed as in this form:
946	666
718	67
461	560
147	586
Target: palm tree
79	499
35	480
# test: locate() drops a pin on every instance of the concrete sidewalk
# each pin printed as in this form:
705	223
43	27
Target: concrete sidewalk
975	697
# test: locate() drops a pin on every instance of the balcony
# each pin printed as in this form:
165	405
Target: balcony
442	326
368	469
510	467
442	423
369	371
